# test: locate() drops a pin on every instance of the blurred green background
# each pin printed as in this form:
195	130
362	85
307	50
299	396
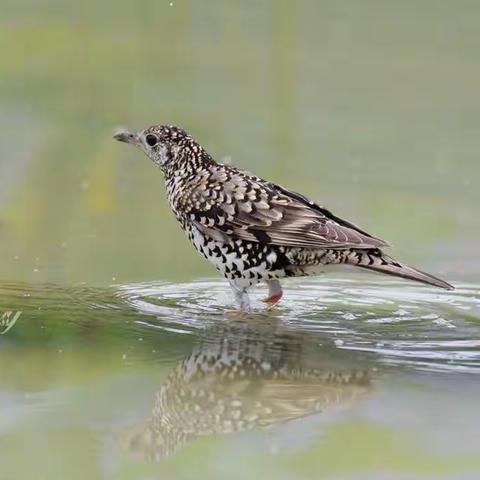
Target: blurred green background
371	108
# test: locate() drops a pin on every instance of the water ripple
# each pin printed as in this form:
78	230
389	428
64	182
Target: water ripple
414	326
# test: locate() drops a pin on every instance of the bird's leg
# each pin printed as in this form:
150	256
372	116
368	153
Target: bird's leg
241	295
274	292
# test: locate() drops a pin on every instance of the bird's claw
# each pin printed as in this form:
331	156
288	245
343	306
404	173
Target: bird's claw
273	299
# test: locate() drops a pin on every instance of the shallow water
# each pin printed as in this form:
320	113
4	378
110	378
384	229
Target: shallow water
371	109
163	380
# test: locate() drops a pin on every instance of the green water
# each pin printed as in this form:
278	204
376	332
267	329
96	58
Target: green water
119	355
160	380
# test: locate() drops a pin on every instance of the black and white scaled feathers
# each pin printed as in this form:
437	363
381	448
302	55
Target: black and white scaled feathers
253	230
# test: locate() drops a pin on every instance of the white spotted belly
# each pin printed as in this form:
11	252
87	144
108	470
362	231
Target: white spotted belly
234	259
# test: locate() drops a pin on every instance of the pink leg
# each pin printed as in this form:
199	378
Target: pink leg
275	293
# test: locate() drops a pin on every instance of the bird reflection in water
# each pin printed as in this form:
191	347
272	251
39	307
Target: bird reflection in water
243	377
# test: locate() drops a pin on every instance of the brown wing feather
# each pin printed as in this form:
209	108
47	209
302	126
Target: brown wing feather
247	207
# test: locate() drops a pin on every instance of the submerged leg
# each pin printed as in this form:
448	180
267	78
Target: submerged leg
241	295
275	292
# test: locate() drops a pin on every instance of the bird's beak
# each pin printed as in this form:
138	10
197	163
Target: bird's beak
127	137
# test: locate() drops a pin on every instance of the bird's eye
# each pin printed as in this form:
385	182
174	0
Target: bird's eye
151	140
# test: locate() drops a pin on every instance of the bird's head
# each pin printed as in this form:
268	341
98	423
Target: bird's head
167	146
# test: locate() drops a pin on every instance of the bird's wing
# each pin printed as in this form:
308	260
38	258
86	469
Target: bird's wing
229	202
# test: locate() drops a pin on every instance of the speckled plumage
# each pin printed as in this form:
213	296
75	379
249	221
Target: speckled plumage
237	381
253	230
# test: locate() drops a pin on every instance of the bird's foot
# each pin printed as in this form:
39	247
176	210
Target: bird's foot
241	295
273	299
275	293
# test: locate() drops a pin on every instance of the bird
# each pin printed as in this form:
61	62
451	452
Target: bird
253	230
241	379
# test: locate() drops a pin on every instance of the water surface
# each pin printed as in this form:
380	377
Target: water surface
347	377
119	357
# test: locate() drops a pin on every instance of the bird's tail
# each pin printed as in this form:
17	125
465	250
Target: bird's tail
378	261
